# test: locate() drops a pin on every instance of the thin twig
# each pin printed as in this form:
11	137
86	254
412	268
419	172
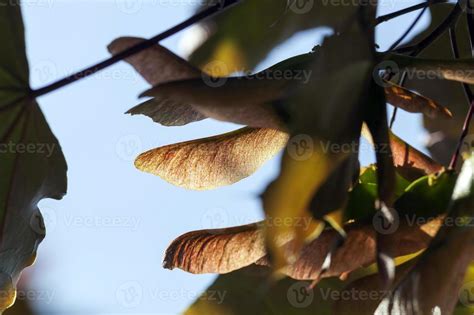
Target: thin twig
395	45
450	20
217	8
407	32
467	90
424	5
417	49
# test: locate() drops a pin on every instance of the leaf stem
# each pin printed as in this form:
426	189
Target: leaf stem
215	9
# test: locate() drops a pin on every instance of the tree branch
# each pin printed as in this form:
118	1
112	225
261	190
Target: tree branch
449	21
215	9
424	5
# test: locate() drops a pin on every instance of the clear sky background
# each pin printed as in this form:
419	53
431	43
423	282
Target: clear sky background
106	239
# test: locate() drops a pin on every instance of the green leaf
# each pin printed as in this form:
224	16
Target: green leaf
363	196
32	164
429	196
435	282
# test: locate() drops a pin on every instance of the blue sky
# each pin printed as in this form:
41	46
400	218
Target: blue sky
106	239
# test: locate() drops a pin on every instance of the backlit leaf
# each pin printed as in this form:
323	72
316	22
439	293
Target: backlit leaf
158	65
245	100
213	162
32	164
410	163
218	251
313	110
415	103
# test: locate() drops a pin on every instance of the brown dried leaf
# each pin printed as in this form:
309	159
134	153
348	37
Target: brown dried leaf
414	103
241	100
410	162
213	162
158	65
226	250
216	251
359	249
